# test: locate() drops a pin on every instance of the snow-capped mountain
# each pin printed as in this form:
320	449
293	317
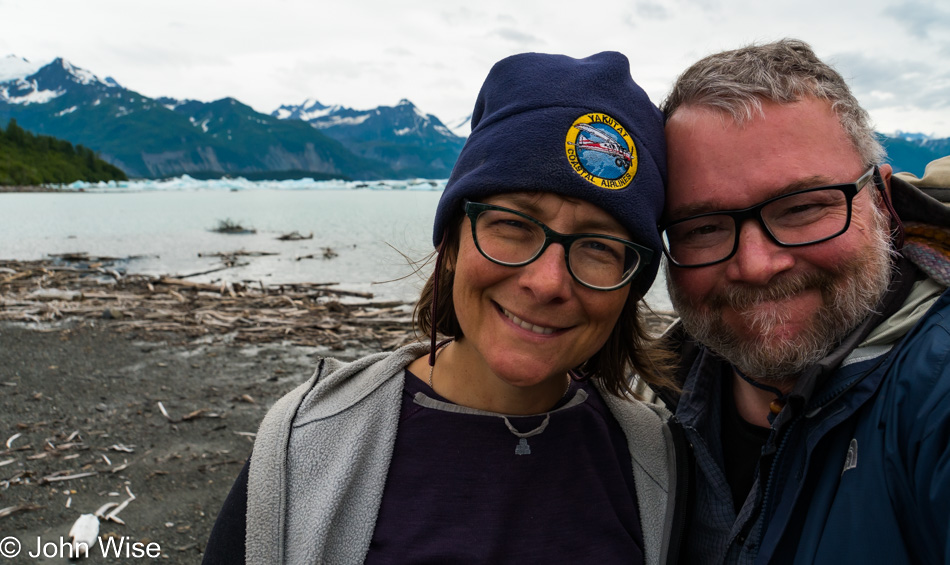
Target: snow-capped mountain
909	136
306	111
912	151
402	136
461	127
14	68
22	82
154	138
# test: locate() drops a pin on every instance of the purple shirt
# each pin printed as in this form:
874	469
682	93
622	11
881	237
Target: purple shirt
465	488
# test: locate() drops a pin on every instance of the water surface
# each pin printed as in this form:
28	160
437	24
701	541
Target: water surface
366	231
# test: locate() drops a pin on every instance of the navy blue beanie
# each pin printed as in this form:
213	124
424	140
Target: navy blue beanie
576	127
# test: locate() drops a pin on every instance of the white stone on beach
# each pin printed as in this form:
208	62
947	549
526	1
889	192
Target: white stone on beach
85	531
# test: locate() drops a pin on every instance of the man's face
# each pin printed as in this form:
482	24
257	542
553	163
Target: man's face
772	310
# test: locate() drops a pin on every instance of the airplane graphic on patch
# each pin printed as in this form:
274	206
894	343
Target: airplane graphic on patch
604	144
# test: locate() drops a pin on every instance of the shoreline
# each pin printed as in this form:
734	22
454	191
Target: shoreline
12	188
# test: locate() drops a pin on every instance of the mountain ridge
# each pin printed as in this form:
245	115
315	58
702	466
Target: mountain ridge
402	136
160	137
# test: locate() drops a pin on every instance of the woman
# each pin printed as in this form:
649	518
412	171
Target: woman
516	440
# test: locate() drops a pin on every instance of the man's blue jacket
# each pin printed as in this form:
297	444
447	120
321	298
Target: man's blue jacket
866	479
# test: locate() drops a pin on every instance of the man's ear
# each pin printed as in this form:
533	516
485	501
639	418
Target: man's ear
886	172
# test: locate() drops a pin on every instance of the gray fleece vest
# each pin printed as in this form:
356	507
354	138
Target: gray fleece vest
323	451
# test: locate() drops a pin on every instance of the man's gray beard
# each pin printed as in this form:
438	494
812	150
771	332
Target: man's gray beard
848	294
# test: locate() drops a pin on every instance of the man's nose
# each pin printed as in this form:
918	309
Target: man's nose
758	257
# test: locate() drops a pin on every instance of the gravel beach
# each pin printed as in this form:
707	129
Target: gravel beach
83	400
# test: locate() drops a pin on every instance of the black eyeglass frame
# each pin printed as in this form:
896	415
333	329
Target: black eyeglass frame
644	254
739	217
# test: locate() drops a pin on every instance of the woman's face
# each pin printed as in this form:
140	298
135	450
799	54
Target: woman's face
535	322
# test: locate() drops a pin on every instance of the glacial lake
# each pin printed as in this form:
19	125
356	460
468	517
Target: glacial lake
363	233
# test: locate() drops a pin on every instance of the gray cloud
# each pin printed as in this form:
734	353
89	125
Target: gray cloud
463	16
644	11
881	83
399	51
706	5
516	36
921	18
651	10
143	55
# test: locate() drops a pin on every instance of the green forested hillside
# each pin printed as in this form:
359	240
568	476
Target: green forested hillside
28	159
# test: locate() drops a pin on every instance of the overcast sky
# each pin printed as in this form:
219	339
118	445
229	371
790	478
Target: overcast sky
366	53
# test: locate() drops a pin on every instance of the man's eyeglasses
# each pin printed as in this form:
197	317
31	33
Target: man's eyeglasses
800	218
510	238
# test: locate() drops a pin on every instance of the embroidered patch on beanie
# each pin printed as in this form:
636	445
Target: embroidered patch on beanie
601	151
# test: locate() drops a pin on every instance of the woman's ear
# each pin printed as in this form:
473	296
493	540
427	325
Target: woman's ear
449	261
450	248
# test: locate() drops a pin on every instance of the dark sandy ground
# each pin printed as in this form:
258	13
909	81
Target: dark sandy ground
85	399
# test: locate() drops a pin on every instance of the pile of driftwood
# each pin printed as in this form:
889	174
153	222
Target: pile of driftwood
310	314
94	288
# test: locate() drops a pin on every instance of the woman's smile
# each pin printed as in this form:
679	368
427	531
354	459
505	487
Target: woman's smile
542	330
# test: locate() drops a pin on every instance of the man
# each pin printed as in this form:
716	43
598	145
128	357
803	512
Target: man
814	342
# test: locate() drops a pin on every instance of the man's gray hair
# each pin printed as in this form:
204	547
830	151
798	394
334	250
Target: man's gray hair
736	82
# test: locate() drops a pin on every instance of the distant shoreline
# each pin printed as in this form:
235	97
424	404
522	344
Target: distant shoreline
232	183
16	188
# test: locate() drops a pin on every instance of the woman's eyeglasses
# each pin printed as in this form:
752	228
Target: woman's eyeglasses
511	238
